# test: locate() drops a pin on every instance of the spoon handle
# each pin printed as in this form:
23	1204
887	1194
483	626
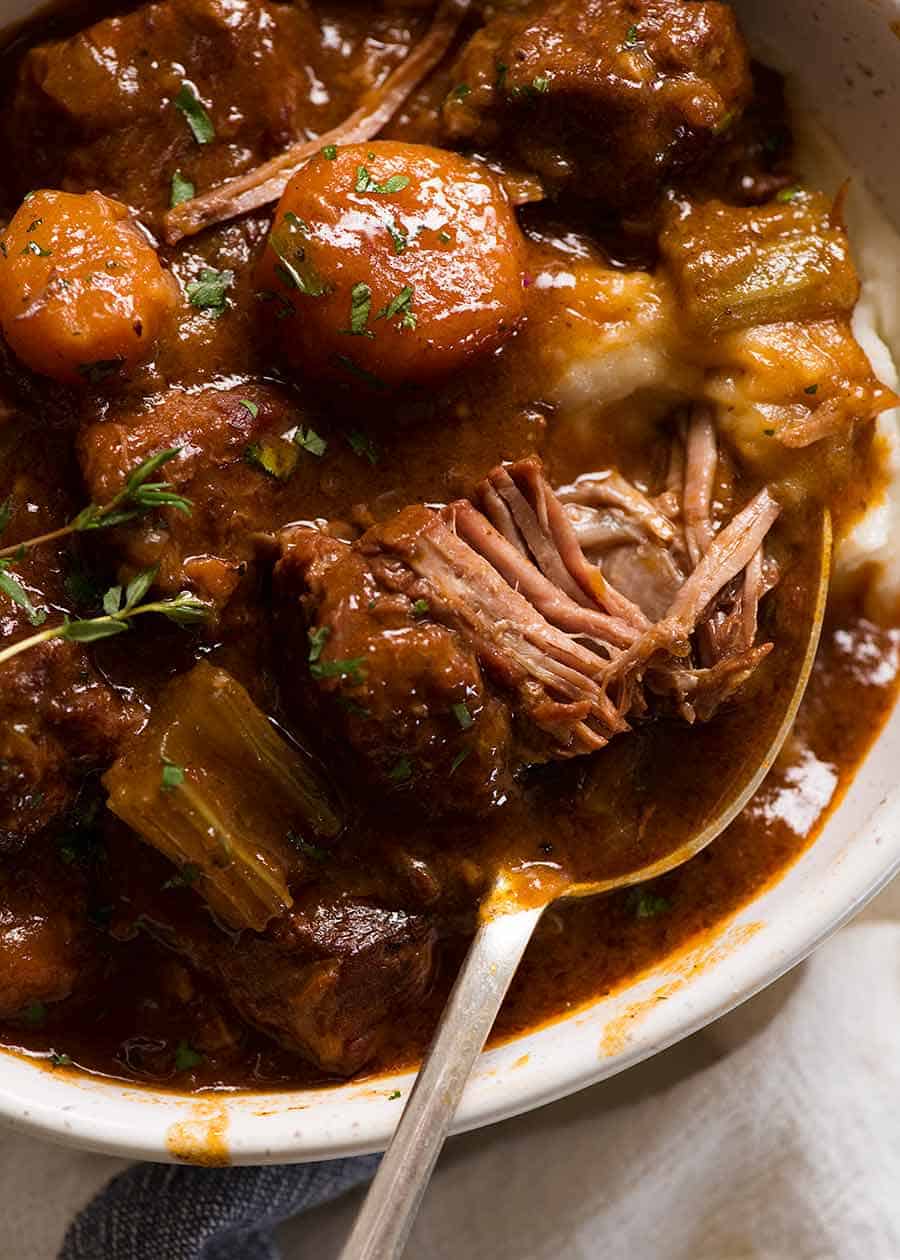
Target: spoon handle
392	1202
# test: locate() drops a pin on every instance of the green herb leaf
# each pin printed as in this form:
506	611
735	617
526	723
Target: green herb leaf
273	456
182	190
32	247
308	850
208	293
811	389
112	600
459	759
421	607
184	610
631	37
310	441
395	1093
289	240
196	117
249	406
786	195
11	586
460	92
360	373
540	84
186	1057
351	668
171	776
318	637
393	184
60	1060
185	878
361	444
329	152
398	239
360	306
91	630
647	905
400	304
401	772
462	715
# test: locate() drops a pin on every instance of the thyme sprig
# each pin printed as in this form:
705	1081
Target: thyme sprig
120	605
138	495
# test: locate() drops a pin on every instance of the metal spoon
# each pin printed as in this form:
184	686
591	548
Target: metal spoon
508	918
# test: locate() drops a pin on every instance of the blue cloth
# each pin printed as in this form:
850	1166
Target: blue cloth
169	1212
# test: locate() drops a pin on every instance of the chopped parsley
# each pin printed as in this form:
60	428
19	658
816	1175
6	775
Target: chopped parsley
811	389
251	407
290	241
171	776
365	183
647	905
395	1093
32	247
345	361
361	444
540	84
188	103
351	668
459	759
786	195
60	1060
34	224
631	37
460	92
462	715
317	640
208	292
182	190
360	308
400	304
307	849
273	456
421	607
401	772
188	875
186	1057
310	441
399	239
329	152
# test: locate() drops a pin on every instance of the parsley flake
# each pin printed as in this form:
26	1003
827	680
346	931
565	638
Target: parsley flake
251	407
365	183
361	444
400	304
182	190
32	247
171	776
208	292
310	441
329	152
647	905
273	456
60	1060
186	1057
462	715
318	637
631	37
360	307
421	607
811	389
188	103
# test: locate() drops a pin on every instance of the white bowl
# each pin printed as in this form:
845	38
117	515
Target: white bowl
848	69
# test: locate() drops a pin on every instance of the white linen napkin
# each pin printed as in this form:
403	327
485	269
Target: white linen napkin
772	1135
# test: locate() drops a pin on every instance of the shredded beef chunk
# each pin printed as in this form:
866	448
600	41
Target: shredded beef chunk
229	440
609	98
60	720
504	596
328	979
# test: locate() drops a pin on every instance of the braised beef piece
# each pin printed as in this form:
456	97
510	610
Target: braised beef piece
426	616
407	692
60	720
227	439
96	110
329	979
47	943
607	98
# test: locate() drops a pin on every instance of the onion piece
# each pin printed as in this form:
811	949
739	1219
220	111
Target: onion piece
266	183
